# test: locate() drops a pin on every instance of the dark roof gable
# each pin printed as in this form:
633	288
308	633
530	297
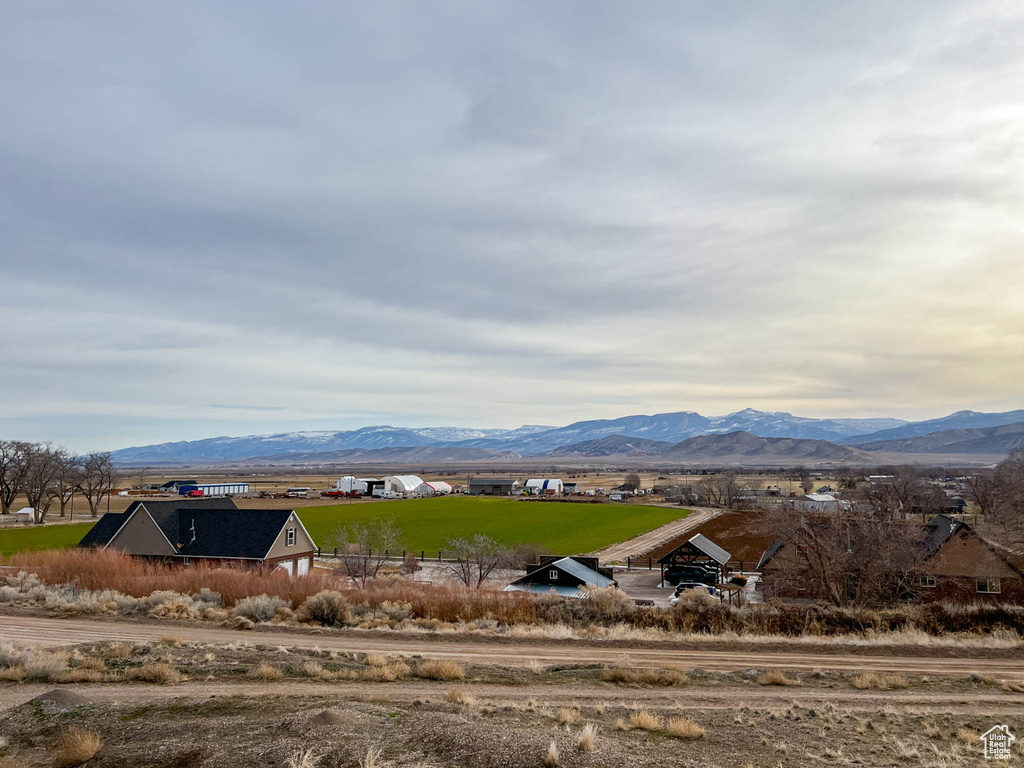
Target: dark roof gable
220	529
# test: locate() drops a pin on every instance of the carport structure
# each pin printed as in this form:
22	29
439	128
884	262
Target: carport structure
699	553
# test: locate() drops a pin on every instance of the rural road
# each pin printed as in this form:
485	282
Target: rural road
49	632
586	695
645	542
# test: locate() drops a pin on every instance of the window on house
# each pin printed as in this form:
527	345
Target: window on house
553	575
989	586
927	581
289	537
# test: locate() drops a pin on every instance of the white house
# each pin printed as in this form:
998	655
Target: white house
544	486
401	485
434	488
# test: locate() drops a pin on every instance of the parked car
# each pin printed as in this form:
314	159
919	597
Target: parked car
687	586
677	574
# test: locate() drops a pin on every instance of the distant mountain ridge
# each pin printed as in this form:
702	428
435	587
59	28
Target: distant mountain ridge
535	440
991	440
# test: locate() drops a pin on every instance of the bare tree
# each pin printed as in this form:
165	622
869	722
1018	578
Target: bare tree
365	548
851	559
633	480
982	490
66	481
13	470
718	490
96	479
45	464
1008	506
477	557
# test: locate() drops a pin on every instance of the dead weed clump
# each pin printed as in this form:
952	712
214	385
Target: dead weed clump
776	678
441	669
588	738
264	672
631	676
568	715
460	696
76	746
160	674
388	673
645	720
684	728
875	681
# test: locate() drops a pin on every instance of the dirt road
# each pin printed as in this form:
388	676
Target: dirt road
41	631
645	542
702	698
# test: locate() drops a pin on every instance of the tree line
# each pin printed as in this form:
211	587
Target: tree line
49	476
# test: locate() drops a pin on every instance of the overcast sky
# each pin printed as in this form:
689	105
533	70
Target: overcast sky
238	217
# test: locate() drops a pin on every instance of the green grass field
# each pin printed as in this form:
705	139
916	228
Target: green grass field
562	527
30	539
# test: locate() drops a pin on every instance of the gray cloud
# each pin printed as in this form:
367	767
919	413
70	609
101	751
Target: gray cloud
503	213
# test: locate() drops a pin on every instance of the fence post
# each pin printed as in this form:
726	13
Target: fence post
439	555
649	565
628	566
335	551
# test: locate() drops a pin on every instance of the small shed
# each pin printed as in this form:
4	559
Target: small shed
699	559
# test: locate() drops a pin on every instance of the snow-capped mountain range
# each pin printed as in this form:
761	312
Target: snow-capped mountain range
533	440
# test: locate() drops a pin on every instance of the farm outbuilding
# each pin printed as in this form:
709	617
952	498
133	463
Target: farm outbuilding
492	486
434	488
402	485
544	486
565	576
212	489
698	560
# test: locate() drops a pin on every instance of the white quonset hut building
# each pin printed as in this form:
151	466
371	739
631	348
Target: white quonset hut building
544	487
434	488
402	485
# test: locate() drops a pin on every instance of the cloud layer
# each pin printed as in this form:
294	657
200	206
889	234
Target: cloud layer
230	217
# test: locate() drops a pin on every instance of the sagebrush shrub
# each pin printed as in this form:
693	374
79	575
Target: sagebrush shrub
259	608
327	608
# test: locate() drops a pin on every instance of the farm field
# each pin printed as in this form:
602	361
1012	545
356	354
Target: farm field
562	527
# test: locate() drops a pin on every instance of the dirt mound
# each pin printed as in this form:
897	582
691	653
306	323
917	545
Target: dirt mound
59	700
333	717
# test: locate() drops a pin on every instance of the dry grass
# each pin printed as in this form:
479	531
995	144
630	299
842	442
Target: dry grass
118	650
388	673
568	715
76	746
12	674
646	720
161	674
1009	687
460	696
264	672
303	758
552	757
372	758
684	728
776	678
441	669
108	569
631	676
587	739
171	640
375	660
79	675
876	681
967	736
